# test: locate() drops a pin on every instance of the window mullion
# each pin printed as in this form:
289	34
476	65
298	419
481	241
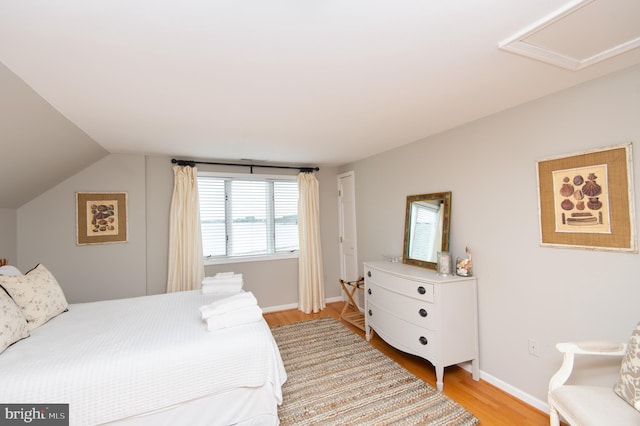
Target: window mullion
228	217
271	222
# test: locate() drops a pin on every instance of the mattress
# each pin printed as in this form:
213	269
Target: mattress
116	359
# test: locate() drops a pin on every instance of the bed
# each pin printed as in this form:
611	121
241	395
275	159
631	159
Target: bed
147	361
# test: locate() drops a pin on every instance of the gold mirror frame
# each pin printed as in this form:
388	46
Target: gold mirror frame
445	199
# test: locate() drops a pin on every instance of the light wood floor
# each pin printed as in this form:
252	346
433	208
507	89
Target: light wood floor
488	403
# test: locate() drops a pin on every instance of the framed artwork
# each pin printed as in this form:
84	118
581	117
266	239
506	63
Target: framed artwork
586	200
101	217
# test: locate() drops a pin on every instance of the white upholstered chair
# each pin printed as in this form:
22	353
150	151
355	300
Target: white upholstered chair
581	405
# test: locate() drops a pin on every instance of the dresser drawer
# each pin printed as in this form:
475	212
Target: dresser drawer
400	333
399	284
415	311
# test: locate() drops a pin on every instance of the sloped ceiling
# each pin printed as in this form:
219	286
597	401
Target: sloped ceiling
40	147
310	82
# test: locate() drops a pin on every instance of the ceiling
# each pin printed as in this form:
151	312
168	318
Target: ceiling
305	81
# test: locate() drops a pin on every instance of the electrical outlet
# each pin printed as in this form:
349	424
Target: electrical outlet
533	348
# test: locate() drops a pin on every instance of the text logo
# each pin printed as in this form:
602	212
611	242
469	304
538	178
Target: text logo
34	414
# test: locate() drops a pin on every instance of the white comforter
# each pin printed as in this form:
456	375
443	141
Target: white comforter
119	358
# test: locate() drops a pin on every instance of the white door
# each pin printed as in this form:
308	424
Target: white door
347	227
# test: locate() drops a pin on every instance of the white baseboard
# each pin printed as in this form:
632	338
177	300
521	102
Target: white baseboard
295	305
279	308
510	389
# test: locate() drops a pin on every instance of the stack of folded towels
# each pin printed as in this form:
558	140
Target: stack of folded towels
239	309
222	282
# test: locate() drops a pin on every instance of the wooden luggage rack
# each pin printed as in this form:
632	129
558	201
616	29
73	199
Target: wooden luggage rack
348	315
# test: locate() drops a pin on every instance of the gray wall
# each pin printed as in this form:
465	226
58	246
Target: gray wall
525	290
8	235
46	234
159	189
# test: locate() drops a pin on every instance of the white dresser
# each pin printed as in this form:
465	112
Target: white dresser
424	314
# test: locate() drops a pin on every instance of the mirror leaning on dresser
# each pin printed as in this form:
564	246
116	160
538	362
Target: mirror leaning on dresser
422	313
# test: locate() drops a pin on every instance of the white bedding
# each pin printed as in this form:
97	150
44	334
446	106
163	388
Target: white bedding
115	359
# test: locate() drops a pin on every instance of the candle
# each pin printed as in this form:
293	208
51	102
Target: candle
444	263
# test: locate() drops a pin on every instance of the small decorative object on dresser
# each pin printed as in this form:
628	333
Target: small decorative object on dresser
464	267
445	265
424	314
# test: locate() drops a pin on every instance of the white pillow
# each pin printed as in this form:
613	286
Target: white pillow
628	384
37	294
13	326
9	270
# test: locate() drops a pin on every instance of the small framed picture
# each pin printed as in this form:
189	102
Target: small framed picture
101	217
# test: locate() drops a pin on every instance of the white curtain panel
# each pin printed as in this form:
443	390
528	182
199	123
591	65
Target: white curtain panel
186	264
310	269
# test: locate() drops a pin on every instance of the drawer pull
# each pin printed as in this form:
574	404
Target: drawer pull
369	291
369	274
423	313
423	340
422	290
370	313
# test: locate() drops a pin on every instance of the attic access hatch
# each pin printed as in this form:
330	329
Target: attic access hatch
580	34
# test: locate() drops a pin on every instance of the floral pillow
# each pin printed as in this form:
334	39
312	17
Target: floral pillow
628	385
13	326
37	294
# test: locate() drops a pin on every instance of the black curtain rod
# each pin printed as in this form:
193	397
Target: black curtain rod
192	163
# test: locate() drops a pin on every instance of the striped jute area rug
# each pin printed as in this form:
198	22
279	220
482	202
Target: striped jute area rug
337	378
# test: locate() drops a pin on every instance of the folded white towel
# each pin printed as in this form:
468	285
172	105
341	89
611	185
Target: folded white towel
228	288
223	282
242	316
228	304
234	278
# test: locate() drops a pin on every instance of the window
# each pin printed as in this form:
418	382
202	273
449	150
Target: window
248	215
